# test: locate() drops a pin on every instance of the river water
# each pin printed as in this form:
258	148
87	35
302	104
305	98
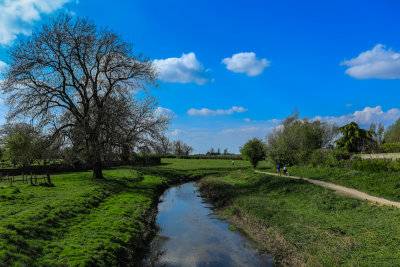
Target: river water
191	235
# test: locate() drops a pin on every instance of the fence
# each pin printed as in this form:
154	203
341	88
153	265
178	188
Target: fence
32	178
392	156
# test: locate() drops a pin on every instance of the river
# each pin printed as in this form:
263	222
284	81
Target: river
190	234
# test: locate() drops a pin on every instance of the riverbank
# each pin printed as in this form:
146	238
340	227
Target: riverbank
191	234
303	224
82	222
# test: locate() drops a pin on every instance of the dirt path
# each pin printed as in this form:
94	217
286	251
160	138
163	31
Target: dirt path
341	190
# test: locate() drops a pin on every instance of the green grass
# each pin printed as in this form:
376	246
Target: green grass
86	222
381	184
319	227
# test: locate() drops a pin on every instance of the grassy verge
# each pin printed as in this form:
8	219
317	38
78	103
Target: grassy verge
381	184
86	222
303	224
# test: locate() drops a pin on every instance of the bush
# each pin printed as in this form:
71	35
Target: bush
319	157
391	147
374	165
394	166
254	151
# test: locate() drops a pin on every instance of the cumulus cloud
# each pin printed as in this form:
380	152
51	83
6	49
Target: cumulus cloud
379	63
365	116
246	63
184	69
210	112
166	112
18	16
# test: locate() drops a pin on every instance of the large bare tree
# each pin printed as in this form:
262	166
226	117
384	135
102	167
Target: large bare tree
83	81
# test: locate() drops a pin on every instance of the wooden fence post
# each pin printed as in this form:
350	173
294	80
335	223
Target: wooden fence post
48	178
35	179
31	179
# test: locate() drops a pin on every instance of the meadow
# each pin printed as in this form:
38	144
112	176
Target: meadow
108	222
384	184
303	224
83	221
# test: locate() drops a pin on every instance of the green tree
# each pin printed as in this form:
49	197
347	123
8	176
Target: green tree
354	139
22	143
254	151
295	139
392	133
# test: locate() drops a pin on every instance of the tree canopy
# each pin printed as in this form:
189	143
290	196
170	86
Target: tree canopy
254	151
86	84
392	133
354	139
295	139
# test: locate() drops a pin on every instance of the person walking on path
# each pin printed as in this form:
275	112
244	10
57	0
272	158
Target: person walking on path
278	170
284	170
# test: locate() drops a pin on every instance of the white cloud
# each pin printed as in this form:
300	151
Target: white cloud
259	131
185	69
246	63
272	121
18	16
365	116
210	112
176	132
166	112
379	63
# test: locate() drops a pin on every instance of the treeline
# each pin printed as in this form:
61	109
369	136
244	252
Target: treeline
299	141
25	146
206	156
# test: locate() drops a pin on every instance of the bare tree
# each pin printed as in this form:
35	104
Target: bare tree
181	148
163	145
78	78
186	149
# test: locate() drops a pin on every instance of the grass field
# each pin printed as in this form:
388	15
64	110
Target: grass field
381	184
86	222
307	224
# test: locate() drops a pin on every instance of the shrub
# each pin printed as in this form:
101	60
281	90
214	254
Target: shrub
254	151
319	157
374	165
391	147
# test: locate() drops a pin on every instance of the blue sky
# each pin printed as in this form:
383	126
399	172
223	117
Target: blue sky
230	70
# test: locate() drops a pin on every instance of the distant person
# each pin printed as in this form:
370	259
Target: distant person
278	170
233	163
284	170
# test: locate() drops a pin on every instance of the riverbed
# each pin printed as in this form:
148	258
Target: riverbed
190	234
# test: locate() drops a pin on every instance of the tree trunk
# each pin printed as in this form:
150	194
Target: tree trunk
97	171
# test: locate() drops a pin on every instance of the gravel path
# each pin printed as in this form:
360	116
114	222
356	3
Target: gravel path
342	190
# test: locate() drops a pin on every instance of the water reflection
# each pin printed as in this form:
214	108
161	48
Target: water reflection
190	235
